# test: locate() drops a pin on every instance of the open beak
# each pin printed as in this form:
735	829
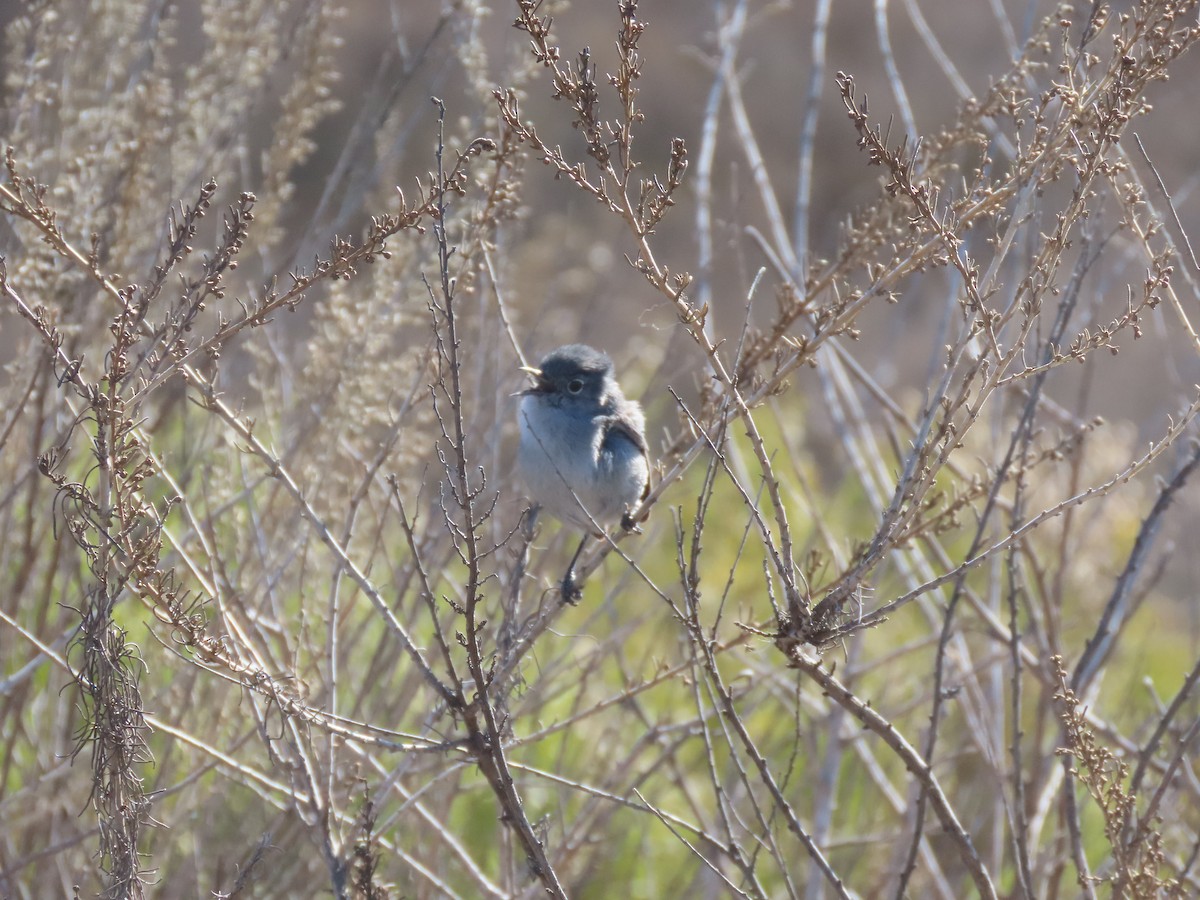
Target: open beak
539	381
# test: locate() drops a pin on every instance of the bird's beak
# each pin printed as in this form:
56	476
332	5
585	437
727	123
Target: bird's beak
536	374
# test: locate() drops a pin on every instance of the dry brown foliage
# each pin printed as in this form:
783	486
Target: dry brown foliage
919	554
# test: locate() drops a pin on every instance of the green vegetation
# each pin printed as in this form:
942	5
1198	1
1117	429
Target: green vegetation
910	607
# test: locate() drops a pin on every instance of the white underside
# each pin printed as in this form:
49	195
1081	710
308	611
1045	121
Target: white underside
568	470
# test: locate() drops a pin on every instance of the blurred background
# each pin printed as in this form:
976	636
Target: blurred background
274	720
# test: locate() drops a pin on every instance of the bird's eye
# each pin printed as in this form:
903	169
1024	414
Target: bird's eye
575	386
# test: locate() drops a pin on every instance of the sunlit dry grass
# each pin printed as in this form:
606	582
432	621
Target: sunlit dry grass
909	612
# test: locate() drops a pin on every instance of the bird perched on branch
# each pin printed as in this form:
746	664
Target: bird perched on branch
582	454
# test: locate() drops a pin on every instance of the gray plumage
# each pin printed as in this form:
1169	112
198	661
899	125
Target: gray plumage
582	454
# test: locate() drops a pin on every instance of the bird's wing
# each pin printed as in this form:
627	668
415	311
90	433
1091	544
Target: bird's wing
616	425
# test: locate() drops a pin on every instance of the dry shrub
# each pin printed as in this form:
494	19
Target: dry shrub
914	539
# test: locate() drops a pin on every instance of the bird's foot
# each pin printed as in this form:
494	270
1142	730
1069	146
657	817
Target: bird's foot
572	591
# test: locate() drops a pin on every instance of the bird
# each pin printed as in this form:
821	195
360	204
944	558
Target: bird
582	452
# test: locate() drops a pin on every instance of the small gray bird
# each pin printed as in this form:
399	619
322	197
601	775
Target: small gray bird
583	445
